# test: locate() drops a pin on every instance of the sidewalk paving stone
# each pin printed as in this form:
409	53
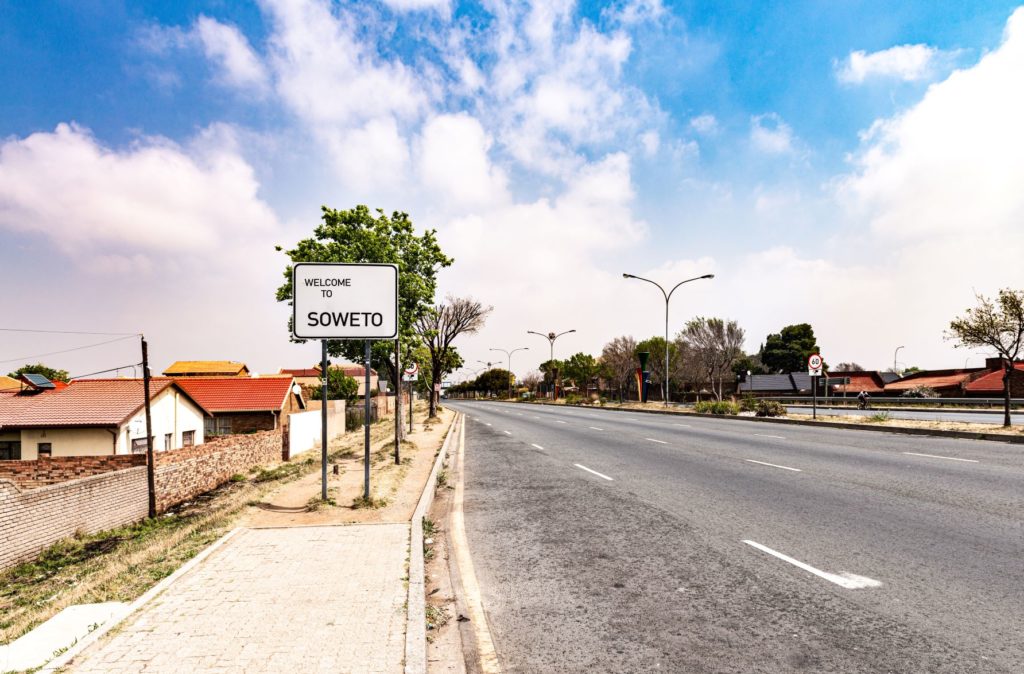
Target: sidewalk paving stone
303	599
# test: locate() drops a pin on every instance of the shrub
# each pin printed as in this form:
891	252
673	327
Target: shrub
748	403
920	392
716	407
573	399
770	408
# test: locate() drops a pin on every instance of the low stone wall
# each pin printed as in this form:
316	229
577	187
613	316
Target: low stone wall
32	520
40	472
185	473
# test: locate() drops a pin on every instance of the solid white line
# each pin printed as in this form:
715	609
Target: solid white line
762	435
660	442
848	580
592	471
506	433
595	428
537	446
951	458
775	465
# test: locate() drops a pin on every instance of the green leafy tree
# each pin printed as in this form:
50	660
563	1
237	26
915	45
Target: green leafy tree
551	372
582	368
997	325
48	372
339	386
357	235
788	350
656	363
749	363
493	381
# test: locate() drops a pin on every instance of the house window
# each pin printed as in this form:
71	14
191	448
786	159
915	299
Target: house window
169	441
217	426
139	446
10	450
44	450
188	438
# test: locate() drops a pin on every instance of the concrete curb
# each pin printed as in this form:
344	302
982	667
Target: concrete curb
62	661
416	621
961	435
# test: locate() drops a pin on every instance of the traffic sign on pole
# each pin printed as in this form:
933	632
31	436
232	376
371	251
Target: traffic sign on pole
814	365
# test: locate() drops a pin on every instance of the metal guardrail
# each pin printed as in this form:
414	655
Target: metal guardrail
899	401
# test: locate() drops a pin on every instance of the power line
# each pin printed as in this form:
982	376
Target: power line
77	348
113	369
71	332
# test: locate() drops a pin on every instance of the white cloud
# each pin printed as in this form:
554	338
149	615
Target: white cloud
771	135
444	6
650	141
705	124
226	46
909	62
130	208
454	163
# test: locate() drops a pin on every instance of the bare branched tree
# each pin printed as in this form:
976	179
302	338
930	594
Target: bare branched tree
997	325
619	360
439	327
715	344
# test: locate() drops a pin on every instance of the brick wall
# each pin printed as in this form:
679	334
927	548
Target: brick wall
46	471
185	473
32	519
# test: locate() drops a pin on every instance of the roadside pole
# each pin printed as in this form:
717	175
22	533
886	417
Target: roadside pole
411	392
323	420
815	368
150	467
366	425
398	405
814	397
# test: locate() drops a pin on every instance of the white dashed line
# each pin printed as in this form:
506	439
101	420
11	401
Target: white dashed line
558	421
486	424
950	458
775	465
660	442
592	471
683	425
506	433
595	428
537	446
847	580
536	417
762	435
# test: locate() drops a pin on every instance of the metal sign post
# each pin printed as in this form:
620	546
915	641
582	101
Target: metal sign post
324	365
814	369
345	301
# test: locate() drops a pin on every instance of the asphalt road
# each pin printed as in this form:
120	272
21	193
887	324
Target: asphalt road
937	414
617	542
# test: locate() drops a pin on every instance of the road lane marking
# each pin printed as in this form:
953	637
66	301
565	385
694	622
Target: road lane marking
683	425
592	471
595	428
536	417
506	433
775	465
848	580
519	413
536	445
950	458
558	421
486	424
763	435
660	442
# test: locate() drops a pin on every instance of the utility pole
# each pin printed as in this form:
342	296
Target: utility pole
150	466
894	369
398	404
366	425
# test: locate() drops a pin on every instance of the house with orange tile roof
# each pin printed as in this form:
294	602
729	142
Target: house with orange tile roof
97	417
9	383
990	384
206	368
853	382
947	383
244	404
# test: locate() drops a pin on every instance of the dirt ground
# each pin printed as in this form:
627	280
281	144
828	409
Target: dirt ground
993	428
394	489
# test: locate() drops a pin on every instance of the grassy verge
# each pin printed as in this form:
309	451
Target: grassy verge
121	564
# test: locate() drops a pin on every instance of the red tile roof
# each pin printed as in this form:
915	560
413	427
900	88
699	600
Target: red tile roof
238	394
992	382
84	402
356	371
302	372
859	381
937	379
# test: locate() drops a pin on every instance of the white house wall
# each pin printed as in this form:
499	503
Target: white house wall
171	412
67	442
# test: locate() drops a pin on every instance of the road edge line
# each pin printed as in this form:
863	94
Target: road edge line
479	653
416	601
65	658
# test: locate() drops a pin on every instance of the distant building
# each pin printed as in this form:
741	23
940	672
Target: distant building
309	378
96	417
207	368
853	382
947	383
244	404
9	383
990	384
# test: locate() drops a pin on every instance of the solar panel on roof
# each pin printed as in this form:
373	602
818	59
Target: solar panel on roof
38	380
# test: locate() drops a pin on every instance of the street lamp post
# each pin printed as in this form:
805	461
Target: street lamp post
894	353
509	354
551	337
668	296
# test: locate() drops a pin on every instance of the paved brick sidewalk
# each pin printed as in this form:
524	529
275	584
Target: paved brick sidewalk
304	599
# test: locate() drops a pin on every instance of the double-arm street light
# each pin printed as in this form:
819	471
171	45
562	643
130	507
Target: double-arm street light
894	354
668	296
509	354
551	337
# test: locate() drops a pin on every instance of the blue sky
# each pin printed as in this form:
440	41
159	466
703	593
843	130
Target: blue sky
176	143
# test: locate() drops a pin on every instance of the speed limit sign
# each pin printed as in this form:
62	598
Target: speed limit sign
814	365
